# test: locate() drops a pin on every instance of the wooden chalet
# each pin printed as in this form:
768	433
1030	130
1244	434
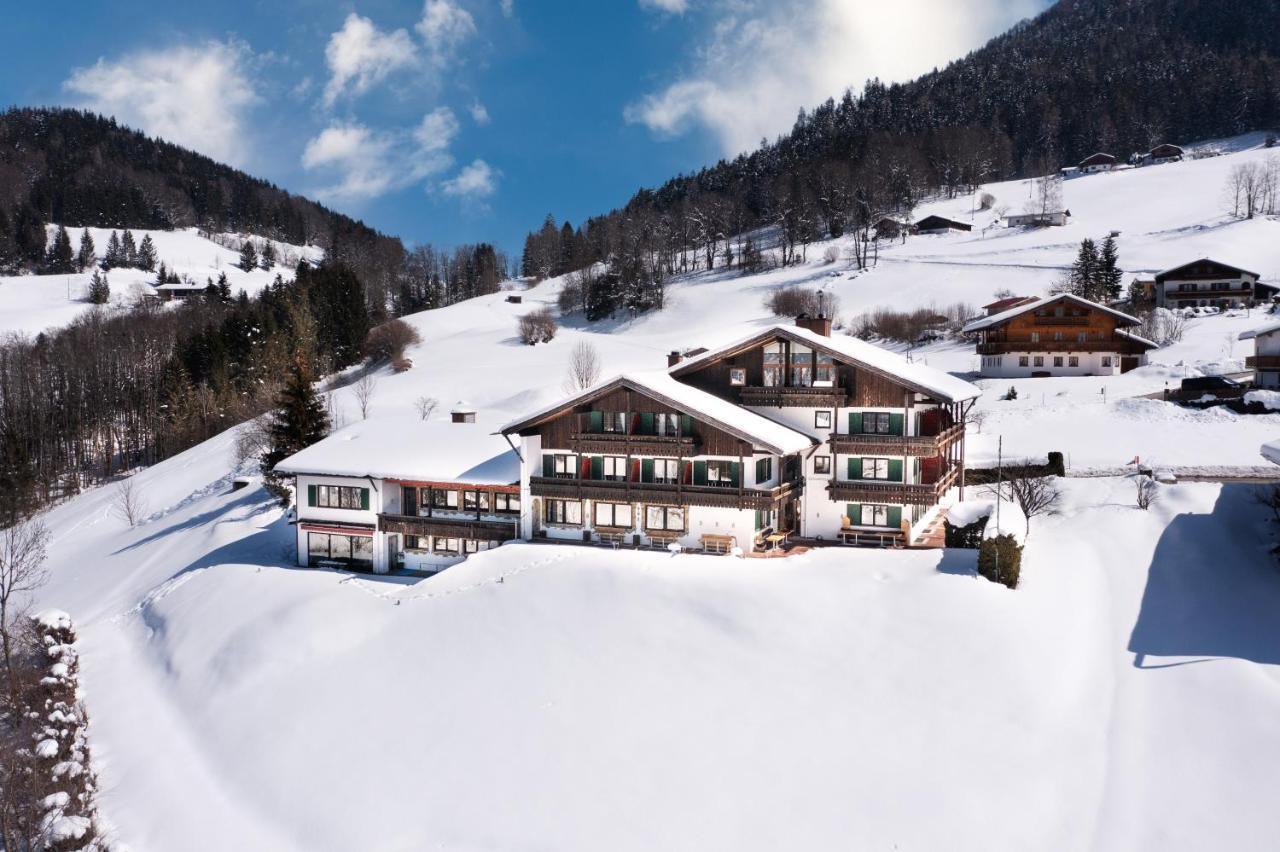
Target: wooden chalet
939	225
1002	305
1207	282
1164	153
1062	335
1097	163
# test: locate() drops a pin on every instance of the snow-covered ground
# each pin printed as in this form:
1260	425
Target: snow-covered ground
33	303
1126	697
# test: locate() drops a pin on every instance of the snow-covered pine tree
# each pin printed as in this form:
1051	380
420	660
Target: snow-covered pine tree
128	249
1084	272
112	258
99	288
146	258
60	259
248	256
85	256
224	287
299	421
267	257
1110	275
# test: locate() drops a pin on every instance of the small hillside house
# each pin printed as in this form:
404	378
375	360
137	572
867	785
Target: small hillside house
1265	360
1164	153
180	290
939	225
397	493
1038	220
1206	282
1062	335
889	228
1097	163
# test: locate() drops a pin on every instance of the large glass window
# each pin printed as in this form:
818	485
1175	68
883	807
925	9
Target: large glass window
613	515
442	499
565	467
475	501
666	471
875	516
875	423
349	550
825	373
664	518
341	497
564	512
506	502
615	468
446	546
875	468
773	365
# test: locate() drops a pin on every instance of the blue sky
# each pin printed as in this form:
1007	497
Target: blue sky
451	121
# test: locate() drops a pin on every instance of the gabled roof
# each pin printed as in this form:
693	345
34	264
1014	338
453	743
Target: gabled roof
1011	302
1005	316
1260	331
918	377
1095	159
943	221
404	447
734	419
1169	273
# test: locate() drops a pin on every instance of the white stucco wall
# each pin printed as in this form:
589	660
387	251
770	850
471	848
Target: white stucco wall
1006	367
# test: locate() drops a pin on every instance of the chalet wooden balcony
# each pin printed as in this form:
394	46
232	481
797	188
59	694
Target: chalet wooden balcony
844	491
1061	320
1263	362
794	397
621	444
670	494
1006	347
1233	293
914	446
481	529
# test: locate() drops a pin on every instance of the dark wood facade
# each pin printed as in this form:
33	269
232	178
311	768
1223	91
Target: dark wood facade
673	494
464	528
1056	325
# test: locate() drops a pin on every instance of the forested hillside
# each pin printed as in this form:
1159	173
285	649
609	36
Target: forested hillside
1086	75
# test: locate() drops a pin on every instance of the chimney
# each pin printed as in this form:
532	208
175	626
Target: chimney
821	324
674	357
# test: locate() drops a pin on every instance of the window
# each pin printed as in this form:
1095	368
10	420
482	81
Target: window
825	373
1057	336
565	467
664	518
613	515
1038	361
801	376
875	468
353	551
341	497
1057	360
475	501
1035	337
1082	337
448	546
564	512
764	470
875	423
1024	361
615	421
1106	360
441	499
773	365
413	542
666	424
822	465
875	516
471	546
737	376
506	502
822	419
615	468
666	471
1073	361
721	473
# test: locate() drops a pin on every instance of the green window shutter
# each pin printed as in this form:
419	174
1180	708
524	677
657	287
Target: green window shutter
646	423
895	424
364	499
699	473
311	495
758	519
735	473
854	512
855	468
895	470
548	466
855	422
686	425
597	421
597	467
646	470
895	516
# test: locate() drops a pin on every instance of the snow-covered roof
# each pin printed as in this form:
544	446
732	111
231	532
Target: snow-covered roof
919	377
734	419
1131	336
1005	316
1260	331
1271	451
405	447
181	285
1160	276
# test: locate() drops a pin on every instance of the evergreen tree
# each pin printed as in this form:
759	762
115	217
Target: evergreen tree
113	258
146	254
128	249
86	257
299	421
29	235
248	256
8	252
99	289
1110	275
267	258
224	287
1084	272
60	259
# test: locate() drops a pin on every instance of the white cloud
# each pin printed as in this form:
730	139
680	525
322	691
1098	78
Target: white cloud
508	8
477	181
366	163
360	55
479	113
765	59
671	7
444	27
198	96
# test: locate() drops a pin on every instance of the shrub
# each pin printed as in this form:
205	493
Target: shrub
387	342
968	537
537	326
831	255
1000	560
793	301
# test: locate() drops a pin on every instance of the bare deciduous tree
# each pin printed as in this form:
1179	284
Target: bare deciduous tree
23	547
1148	491
1033	492
129	503
584	367
425	406
252	441
364	389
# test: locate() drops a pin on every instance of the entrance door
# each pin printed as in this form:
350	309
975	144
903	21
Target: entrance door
395	556
788	517
1128	362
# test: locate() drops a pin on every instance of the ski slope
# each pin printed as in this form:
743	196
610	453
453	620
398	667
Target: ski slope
1125	697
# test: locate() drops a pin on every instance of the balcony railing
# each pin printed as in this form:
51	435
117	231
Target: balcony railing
895	445
1061	320
794	397
844	491
472	528
1263	362
712	496
1235	292
620	443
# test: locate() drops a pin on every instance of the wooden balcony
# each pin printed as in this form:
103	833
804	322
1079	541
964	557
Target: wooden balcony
1006	347
481	529
913	446
621	444
794	397
892	492
1233	293
669	494
1061	320
1263	362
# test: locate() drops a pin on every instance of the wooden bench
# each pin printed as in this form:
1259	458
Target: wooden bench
870	538
718	543
662	539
